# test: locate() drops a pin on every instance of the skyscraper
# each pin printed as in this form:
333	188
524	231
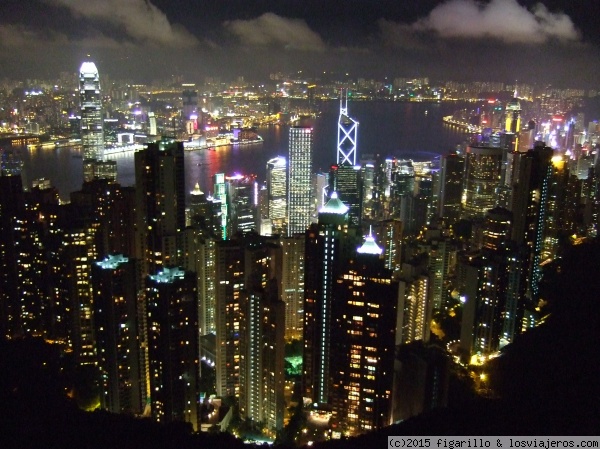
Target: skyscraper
277	191
347	133
451	188
172	327
114	288
363	328
483	167
160	204
346	181
345	178
299	180
262	356
92	130
292	285
325	253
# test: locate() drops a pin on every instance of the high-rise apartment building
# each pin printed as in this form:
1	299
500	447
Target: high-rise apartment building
115	288
292	285
160	205
300	161
262	356
238	262
172	336
92	126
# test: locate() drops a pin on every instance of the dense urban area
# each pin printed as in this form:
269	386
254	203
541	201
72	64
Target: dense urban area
456	294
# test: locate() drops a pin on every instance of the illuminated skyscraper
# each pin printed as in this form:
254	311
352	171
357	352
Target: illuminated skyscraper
347	133
292	285
530	208
326	246
483	168
345	178
277	191
299	180
346	181
262	356
114	288
363	329
160	204
172	328
92	130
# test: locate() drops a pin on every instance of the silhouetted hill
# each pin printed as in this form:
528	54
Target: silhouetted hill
35	411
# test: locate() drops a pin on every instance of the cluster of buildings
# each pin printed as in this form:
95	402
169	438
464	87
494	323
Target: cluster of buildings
358	263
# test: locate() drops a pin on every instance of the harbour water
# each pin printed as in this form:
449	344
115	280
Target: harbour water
391	129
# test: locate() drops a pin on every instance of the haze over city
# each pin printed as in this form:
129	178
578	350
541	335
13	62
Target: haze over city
503	40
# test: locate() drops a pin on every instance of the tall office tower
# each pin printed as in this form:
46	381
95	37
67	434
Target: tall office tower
172	336
414	305
451	188
105	170
92	129
115	287
160	205
346	181
262	348
347	134
389	235
292	285
300	161
529	208
440	251
152	130
363	329
277	192
483	166
237	261
241	191
327	248
221	198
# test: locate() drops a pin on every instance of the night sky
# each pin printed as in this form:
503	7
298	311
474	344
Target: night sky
554	41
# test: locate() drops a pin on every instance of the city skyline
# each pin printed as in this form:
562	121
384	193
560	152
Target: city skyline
314	284
499	39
